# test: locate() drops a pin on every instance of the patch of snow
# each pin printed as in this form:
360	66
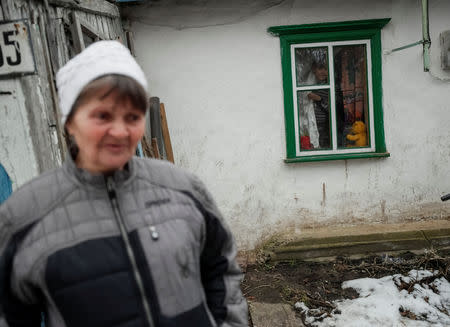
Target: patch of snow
380	301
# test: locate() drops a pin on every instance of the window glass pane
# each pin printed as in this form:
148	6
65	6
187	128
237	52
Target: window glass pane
311	66
352	116
314	119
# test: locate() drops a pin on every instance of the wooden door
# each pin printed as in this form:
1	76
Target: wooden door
59	29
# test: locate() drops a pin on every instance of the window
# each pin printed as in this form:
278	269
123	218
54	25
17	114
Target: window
332	90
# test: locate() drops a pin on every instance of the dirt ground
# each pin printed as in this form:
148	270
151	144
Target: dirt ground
318	284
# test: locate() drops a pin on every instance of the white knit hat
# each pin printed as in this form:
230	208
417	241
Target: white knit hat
99	59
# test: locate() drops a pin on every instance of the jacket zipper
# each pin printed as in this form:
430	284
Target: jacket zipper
110	186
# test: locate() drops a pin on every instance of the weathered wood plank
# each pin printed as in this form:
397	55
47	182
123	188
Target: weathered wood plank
98	7
106	28
35	101
32	5
62	43
92	22
96	21
59	12
23	9
1	10
81	15
155	148
147	147
77	35
18	5
119	26
66	33
118	29
9	12
64	12
130	42
38	100
155	123
34	16
35	9
90	27
99	26
95	25
99	23
109	28
54	97
166	134
51	30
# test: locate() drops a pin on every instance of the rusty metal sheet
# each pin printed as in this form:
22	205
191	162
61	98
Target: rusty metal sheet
16	51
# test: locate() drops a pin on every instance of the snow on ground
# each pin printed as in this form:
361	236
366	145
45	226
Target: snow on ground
415	300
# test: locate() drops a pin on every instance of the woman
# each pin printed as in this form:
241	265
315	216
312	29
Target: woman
110	239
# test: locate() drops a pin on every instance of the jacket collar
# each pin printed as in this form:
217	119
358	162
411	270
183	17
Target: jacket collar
87	178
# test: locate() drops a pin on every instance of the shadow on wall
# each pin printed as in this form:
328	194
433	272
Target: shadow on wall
5	185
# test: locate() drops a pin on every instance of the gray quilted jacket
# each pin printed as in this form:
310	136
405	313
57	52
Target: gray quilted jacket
144	247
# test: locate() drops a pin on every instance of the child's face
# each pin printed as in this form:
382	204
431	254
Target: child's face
321	73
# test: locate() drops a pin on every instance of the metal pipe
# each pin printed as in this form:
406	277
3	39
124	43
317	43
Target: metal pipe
404	47
425	36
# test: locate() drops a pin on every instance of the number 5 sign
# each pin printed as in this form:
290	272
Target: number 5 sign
16	53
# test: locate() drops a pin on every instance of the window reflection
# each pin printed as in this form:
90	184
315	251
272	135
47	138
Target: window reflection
314	119
311	66
350	73
313	105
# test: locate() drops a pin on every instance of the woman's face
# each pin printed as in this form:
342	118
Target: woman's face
106	132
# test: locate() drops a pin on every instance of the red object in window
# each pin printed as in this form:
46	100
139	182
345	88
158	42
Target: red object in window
305	143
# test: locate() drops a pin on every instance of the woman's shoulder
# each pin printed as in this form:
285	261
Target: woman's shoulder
32	199
162	172
165	174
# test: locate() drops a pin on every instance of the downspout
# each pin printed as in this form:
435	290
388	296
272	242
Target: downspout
425	36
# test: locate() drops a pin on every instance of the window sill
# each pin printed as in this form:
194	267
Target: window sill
338	157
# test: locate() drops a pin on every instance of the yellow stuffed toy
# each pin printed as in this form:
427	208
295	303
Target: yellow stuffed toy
358	134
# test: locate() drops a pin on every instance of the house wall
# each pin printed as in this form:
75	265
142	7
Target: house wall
220	79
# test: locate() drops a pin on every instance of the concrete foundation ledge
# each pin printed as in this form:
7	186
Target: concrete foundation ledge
274	315
353	244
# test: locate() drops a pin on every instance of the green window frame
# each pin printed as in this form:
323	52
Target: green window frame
363	33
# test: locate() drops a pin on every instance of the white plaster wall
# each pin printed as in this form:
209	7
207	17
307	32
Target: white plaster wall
16	150
222	88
